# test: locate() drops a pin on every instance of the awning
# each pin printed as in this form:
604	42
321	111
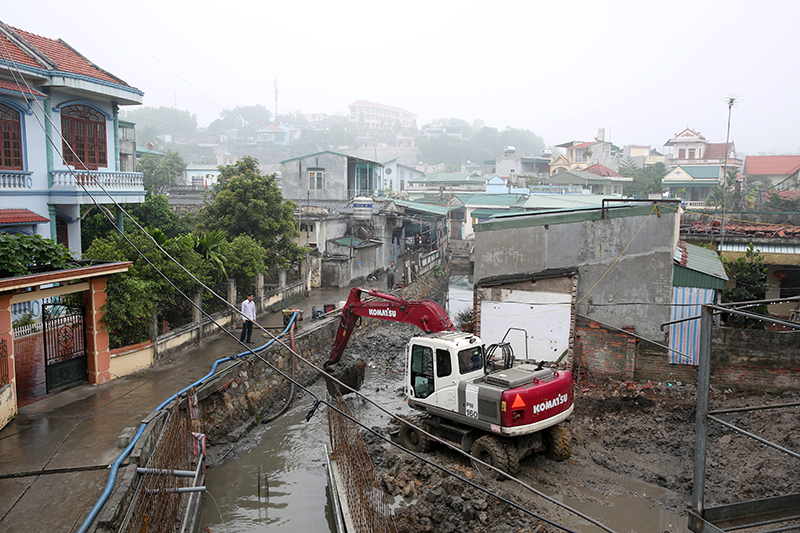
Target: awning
10	217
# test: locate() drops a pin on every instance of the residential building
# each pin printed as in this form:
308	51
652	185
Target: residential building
773	171
396	176
642	156
601	180
580	154
330	176
690	148
517	167
273	134
482	206
50	91
696	180
378	119
451	182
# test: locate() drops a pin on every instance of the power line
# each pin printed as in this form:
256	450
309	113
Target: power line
317	401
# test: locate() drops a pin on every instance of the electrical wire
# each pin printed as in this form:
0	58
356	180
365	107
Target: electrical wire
98	506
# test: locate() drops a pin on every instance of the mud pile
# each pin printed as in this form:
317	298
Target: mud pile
625	434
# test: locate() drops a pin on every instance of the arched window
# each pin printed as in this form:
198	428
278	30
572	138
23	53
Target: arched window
84	131
11	143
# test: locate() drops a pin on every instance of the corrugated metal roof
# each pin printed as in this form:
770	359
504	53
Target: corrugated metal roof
425	208
450	178
701	260
703	171
761	247
486	199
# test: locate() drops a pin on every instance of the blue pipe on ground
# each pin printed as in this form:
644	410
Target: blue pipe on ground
112	476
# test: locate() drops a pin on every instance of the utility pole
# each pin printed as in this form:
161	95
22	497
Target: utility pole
731	100
276	100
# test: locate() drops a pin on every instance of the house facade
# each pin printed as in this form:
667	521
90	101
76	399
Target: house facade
580	155
330	176
778	171
696	180
690	148
378	119
396	177
50	91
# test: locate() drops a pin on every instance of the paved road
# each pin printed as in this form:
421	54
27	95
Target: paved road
59	447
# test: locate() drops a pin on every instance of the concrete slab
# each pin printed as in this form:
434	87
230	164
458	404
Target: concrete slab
94	442
56	502
11	490
29	444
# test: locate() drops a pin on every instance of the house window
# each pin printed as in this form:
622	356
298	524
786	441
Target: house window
83	129
691	153
315	179
682	153
11	147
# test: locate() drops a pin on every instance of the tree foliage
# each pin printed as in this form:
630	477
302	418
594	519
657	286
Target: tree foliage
154	121
154	212
750	276
20	253
645	180
246	202
726	196
161	172
475	145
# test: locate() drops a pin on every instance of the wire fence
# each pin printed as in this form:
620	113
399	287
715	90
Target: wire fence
157	504
365	500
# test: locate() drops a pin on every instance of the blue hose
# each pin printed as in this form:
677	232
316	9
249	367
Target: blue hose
112	476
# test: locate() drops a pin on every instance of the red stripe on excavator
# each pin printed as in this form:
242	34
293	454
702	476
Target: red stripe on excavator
541	400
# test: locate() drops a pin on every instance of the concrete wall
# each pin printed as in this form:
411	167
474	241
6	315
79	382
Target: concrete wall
294	177
637	242
131	359
742	358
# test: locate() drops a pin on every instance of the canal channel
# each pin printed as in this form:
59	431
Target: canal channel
289	453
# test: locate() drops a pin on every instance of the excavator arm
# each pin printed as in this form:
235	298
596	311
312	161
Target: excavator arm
426	315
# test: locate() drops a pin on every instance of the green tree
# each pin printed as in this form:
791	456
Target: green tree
724	196
20	254
750	276
645	180
154	121
246	202
161	172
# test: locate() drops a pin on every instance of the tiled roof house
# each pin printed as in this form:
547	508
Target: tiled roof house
50	90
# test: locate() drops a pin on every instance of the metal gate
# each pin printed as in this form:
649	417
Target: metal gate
65	361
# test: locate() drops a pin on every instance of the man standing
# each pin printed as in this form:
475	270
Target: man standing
390	276
248	317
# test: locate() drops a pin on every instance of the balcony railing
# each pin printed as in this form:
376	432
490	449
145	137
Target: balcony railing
76	180
15	180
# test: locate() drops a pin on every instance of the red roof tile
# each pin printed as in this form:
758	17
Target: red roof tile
12	86
58	53
602	170
761	230
20	216
65	57
715	150
771	165
789	195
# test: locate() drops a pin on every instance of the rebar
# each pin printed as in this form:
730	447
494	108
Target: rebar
159	499
369	511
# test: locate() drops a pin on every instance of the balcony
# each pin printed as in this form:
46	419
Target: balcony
15	180
125	187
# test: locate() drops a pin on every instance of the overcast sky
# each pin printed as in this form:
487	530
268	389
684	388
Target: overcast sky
642	70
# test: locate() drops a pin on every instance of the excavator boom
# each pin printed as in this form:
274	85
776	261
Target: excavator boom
426	315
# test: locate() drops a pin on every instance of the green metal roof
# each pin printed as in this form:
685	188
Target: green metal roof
425	208
451	178
492	199
696	266
354	242
559	201
696	172
577	177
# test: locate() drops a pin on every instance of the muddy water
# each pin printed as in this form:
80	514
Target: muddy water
291	454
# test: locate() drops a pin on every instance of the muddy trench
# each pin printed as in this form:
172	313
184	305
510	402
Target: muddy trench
631	464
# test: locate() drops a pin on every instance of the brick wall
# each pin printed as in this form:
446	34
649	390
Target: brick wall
739	358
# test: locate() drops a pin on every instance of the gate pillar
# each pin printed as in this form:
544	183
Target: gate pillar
8	400
97	353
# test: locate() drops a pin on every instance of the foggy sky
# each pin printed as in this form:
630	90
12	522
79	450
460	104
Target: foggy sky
642	70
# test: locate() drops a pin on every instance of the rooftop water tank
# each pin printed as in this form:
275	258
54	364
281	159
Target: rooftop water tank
362	208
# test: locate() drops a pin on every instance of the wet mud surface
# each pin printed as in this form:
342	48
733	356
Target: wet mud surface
632	454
